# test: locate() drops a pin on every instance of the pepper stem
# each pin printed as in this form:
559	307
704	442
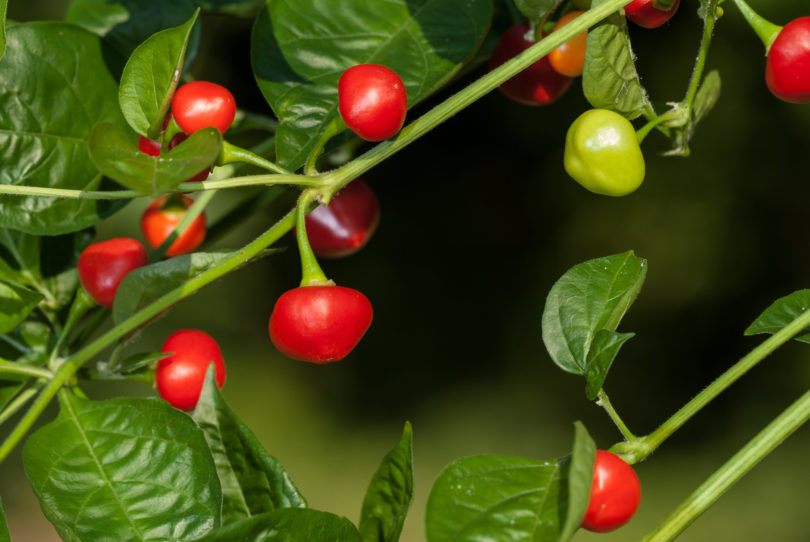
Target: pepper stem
766	30
311	272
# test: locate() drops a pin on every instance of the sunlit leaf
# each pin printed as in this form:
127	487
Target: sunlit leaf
132	469
389	494
253	482
54	87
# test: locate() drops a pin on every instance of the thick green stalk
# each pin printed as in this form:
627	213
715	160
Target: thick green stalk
643	447
734	469
311	272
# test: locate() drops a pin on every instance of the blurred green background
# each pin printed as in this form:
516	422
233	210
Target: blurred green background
479	219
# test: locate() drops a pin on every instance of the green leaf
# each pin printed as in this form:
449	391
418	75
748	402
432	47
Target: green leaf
125	24
492	497
535	10
19	253
707	96
54	87
30	342
124	469
136	364
780	313
389	494
144	285
4	536
115	153
589	297
287	525
15	305
580	479
253	482
609	77
300	48
150	79
3	7
604	348
240	8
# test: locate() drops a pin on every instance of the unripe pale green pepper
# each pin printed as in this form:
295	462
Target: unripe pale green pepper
602	153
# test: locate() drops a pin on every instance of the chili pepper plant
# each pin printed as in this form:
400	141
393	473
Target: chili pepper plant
102	109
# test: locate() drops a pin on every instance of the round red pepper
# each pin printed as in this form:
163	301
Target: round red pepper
160	219
179	378
787	70
615	494
372	101
648	14
102	266
345	225
319	323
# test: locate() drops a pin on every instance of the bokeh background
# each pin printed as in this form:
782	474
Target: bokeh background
479	219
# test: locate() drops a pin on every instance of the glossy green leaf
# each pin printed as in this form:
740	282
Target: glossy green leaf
123	469
3	7
15	305
604	348
4	536
287	525
589	297
115	152
144	285
389	494
240	8
150	78
515	499
125	24
300	48
54	87
534	10
493	497
609	77
253	482
780	313
580	478
707	96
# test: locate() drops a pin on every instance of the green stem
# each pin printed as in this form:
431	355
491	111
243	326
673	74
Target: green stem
11	368
709	20
19	401
68	369
232	154
82	303
766	30
335	127
311	272
685	107
338	178
642	132
646	445
603	401
734	469
17	190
